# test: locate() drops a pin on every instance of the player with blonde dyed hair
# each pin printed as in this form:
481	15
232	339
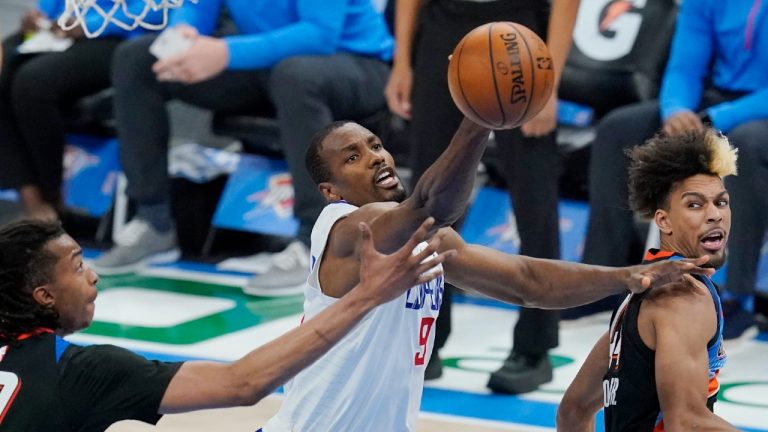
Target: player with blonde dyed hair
656	368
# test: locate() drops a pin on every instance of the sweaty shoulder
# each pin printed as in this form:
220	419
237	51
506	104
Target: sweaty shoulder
685	294
344	233
370	211
685	305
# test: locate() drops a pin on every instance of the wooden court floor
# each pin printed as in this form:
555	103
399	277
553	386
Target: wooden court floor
249	419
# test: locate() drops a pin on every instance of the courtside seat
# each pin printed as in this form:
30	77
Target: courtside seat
260	133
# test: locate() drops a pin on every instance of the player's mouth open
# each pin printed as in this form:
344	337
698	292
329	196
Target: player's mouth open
385	178
713	241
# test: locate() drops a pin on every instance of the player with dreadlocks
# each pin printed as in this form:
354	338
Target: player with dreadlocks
49	384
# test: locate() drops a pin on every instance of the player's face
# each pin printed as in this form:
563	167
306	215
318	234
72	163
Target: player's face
362	171
699	218
72	285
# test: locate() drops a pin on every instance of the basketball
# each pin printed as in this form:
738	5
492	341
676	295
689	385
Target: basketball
501	75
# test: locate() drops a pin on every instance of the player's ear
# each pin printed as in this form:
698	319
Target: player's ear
661	217
43	296
329	192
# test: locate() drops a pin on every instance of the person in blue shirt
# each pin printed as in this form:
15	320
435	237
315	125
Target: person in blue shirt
309	61
715	76
36	88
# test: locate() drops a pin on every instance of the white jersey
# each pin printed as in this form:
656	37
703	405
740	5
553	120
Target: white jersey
372	379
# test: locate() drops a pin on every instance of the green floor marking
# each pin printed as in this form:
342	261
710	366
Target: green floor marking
248	312
455	362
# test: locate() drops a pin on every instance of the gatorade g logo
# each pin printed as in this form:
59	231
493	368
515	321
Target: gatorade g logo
607	29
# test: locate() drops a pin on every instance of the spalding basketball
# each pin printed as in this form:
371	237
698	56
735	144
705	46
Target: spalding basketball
501	75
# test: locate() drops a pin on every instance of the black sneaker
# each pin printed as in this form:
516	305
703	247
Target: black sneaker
434	368
521	374
762	322
761	311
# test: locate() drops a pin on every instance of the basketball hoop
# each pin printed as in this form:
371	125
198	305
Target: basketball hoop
119	14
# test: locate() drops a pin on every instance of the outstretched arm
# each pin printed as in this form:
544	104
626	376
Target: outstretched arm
552	284
584	397
442	192
199	385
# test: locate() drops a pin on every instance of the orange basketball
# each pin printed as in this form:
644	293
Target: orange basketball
501	75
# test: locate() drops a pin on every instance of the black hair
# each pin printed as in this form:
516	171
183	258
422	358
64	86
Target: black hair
313	159
25	263
665	160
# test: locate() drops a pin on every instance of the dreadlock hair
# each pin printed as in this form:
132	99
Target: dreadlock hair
665	160
25	264
313	160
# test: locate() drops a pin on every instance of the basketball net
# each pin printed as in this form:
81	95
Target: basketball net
119	14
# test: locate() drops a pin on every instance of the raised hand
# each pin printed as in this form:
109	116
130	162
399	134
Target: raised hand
544	122
663	272
385	277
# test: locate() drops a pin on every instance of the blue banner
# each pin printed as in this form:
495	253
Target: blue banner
491	223
91	169
258	197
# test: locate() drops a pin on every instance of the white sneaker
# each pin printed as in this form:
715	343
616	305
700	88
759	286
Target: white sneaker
136	246
286	275
254	264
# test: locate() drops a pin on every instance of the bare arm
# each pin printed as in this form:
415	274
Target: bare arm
199	385
584	397
400	84
562	19
442	193
551	284
683	325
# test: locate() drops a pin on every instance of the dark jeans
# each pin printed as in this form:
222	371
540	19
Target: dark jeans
749	205
34	88
611	238
306	92
530	164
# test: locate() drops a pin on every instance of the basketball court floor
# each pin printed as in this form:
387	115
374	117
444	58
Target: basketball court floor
193	311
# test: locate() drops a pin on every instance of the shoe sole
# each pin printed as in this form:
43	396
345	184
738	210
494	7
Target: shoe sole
159	258
274	292
499	384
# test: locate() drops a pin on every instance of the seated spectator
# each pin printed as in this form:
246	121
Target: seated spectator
311	61
715	75
36	87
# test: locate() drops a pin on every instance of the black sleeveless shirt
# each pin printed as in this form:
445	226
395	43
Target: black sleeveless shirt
630	397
